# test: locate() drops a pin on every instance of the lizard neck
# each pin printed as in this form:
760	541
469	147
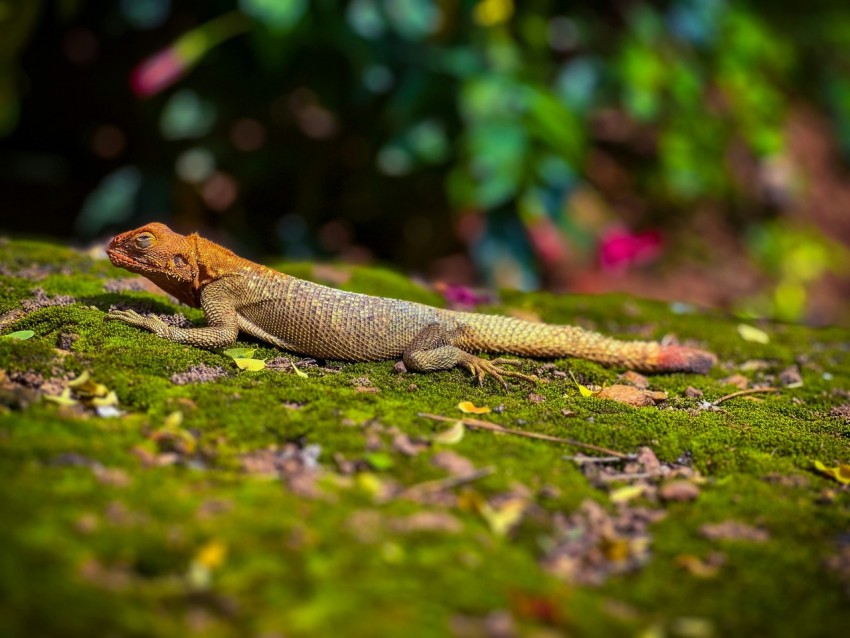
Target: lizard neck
213	262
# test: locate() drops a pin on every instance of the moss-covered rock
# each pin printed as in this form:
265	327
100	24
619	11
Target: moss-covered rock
197	505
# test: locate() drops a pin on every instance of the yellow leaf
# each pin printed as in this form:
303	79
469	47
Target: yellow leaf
110	399
749	333
504	518
697	566
240	353
617	549
251	365
626	494
212	554
489	13
451	436
86	387
369	483
80	380
295	369
840	473
62	399
583	389
173	420
470	408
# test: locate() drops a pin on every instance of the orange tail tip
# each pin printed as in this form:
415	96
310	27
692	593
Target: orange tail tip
682	359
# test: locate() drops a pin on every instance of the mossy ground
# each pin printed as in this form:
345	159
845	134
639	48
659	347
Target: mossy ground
107	530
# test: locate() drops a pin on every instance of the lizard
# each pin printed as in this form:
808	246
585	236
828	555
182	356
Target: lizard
238	295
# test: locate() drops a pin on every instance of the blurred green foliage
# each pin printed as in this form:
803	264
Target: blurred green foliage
299	121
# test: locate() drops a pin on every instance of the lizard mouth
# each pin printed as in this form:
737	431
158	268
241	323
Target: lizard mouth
118	255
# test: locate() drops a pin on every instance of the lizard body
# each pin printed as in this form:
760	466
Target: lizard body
318	321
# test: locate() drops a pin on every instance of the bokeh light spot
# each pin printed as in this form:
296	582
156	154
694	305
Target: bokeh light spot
418	230
219	191
80	46
186	116
248	134
334	236
314	119
394	161
195	165
364	18
108	141
378	78
145	14
111	202
562	33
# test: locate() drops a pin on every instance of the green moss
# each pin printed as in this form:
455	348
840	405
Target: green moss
96	535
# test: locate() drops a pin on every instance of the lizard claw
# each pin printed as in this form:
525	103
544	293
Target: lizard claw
480	368
133	318
123	315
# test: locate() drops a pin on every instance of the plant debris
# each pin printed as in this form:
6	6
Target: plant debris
591	544
631	395
199	373
840	473
734	531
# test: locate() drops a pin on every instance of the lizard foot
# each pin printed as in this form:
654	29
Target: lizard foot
154	324
480	368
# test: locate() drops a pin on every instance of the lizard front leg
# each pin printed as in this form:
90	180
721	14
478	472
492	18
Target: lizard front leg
433	349
221	331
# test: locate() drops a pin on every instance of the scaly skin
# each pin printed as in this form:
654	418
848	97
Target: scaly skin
317	321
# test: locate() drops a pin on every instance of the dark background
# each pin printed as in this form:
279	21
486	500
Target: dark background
691	149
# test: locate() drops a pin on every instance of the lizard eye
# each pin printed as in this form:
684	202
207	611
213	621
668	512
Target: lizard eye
145	240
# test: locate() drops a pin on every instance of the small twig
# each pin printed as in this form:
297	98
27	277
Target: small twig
741	393
607	478
484	425
581	460
441	485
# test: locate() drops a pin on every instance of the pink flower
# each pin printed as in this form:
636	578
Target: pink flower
546	240
460	296
165	67
620	249
158	72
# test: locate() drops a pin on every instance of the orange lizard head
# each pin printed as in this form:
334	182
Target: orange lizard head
167	258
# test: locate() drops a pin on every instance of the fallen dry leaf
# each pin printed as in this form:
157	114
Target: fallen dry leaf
701	568
738	380
407	446
840	473
427	522
647	458
453	463
250	365
626	494
468	407
734	531
504	517
631	395
753	335
791	378
451	436
583	389
212	554
679	491
635	378
590	544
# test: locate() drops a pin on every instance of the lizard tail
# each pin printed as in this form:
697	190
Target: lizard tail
490	333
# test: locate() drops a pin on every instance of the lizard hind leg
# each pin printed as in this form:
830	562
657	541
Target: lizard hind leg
432	349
